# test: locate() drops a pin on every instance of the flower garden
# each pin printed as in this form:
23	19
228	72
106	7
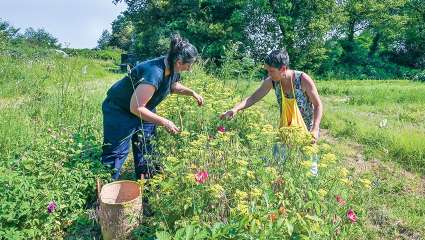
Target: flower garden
220	179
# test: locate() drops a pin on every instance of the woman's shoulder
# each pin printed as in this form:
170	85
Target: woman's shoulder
304	80
156	64
269	80
151	67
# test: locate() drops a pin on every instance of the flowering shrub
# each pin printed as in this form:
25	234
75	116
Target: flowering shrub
219	179
224	182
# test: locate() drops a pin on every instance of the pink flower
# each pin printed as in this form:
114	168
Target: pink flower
221	129
351	215
201	176
340	200
51	207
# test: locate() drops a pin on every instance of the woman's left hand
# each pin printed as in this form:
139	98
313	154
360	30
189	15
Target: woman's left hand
199	99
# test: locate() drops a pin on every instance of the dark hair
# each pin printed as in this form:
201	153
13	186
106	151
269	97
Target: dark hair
277	58
181	49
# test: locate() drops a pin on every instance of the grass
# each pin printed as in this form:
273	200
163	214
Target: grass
355	111
49	92
396	206
51	136
50	140
386	116
392	155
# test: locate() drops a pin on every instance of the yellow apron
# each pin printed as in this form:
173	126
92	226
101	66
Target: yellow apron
291	115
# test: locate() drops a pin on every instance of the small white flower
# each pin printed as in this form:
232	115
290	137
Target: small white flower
383	123
314	169
84	70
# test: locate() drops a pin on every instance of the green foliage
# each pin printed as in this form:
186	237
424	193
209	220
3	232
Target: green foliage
358	63
210	25
104	40
111	54
248	194
409	47
419	76
207	24
236	65
51	142
122	33
51	138
40	37
57	168
7	31
341	39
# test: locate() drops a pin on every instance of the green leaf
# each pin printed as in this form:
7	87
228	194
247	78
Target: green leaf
289	227
179	233
163	235
189	232
279	223
313	218
201	235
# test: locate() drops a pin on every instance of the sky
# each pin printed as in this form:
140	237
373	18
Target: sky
78	23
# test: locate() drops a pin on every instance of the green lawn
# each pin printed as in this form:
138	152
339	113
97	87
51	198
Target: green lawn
386	116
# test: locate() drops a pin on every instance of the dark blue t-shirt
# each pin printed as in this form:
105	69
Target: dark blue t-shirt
148	72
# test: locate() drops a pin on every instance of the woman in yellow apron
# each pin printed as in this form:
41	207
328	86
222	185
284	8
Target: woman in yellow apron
301	105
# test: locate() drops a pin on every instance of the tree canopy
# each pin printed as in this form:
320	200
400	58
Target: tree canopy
316	33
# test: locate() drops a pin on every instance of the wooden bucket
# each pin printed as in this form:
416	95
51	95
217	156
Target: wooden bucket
120	208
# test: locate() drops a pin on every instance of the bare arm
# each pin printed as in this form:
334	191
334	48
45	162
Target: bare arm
179	88
251	100
313	95
139	99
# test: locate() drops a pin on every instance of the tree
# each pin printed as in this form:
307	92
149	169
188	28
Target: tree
409	47
318	34
260	25
104	40
305	25
380	19
122	33
208	24
7	31
40	37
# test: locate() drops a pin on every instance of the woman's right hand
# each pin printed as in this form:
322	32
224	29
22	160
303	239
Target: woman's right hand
228	114
170	127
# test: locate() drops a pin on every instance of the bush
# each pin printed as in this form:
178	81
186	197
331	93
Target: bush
236	65
419	76
109	54
220	181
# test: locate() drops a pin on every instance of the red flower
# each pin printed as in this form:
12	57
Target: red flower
221	129
351	215
201	176
340	200
272	217
282	210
